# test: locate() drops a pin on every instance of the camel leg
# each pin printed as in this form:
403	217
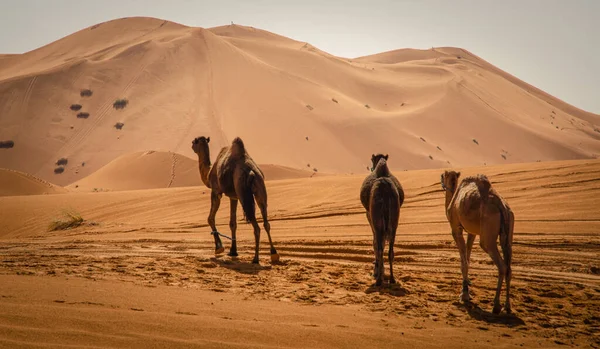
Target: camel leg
233	226
256	240
508	276
379	261
267	226
470	240
391	256
215	202
393	227
375	270
375	262
457	234
488	244
506	243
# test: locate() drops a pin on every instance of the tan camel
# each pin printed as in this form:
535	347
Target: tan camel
382	196
237	176
476	207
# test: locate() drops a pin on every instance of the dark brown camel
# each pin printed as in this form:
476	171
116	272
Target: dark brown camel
236	175
476	207
382	196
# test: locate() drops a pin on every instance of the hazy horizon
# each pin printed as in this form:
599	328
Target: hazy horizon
545	43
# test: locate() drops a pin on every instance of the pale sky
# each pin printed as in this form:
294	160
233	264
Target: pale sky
551	44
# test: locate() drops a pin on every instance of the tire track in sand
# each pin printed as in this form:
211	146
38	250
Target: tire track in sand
173	164
28	92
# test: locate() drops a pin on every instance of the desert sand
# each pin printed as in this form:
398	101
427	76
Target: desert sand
15	183
145	257
140	270
152	170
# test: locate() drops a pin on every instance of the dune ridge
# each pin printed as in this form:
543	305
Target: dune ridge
15	183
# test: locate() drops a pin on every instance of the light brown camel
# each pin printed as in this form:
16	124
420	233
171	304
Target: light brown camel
382	196
476	207
237	176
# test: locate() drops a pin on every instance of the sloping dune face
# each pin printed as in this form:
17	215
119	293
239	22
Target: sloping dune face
142	170
155	169
292	104
15	183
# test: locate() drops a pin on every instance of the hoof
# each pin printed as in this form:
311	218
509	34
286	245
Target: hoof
232	254
274	257
378	282
497	309
255	261
507	309
219	250
464	297
392	280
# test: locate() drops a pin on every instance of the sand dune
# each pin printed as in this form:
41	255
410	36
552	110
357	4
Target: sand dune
146	258
153	169
293	104
15	183
142	170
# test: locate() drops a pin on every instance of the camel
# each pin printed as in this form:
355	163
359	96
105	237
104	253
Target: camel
476	207
236	175
382	196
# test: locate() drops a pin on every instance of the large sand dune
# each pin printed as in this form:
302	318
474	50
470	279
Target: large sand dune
145	258
427	108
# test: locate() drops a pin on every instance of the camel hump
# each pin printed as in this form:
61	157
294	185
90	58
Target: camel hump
483	184
237	148
382	170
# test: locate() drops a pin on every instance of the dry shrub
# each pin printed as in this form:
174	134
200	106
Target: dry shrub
69	220
7	144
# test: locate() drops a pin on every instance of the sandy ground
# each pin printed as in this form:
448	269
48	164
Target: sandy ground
141	271
293	104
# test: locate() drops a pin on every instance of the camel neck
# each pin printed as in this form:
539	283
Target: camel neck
204	166
449	195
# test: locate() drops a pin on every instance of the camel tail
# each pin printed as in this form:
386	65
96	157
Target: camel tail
245	194
384	210
484	186
506	232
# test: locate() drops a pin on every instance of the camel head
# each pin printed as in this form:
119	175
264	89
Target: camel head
375	159
200	146
449	180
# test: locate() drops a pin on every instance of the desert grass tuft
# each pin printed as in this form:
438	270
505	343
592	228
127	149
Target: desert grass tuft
69	220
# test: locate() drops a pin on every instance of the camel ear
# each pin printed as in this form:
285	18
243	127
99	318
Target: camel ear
386	156
208	140
457	175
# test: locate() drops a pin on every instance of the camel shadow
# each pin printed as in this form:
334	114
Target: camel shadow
394	290
239	266
475	312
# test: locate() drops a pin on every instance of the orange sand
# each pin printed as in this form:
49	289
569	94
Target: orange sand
140	271
272	91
